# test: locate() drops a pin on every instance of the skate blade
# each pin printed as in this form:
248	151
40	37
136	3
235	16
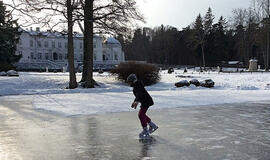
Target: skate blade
152	131
147	140
145	137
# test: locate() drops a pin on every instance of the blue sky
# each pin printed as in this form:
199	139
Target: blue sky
181	13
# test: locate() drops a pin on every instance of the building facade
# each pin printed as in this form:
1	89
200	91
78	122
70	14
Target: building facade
42	50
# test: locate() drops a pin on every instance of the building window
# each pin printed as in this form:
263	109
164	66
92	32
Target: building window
60	56
39	44
53	44
55	56
46	44
39	55
95	56
59	45
74	45
66	45
46	56
95	46
31	43
81	57
32	55
109	57
65	56
116	56
81	45
20	42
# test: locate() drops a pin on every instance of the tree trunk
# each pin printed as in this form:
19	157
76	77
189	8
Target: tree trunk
267	49
87	77
268	26
202	48
72	76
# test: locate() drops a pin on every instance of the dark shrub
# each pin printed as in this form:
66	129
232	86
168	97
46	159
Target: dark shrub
195	82
182	83
12	73
148	73
4	66
209	83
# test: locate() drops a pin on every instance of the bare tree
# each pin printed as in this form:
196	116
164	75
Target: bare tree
239	17
105	17
99	16
246	24
87	77
50	13
264	12
72	75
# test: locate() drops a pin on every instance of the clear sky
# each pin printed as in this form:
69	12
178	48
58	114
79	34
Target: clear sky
181	13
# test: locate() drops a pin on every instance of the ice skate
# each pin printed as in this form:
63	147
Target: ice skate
144	134
153	127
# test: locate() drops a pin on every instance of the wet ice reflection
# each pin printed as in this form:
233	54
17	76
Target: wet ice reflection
239	131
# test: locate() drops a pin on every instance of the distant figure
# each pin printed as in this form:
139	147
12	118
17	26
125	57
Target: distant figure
143	97
185	70
170	70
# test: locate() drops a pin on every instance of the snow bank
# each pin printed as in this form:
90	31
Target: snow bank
90	103
48	91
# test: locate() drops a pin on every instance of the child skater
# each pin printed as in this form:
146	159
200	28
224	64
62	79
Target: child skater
142	96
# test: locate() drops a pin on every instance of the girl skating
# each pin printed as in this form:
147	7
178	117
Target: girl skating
143	97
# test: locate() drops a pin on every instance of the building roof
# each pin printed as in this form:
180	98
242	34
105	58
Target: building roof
253	60
233	62
49	33
112	40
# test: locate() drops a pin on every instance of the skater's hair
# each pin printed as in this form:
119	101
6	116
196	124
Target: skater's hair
132	78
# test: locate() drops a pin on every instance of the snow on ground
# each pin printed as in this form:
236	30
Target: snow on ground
47	91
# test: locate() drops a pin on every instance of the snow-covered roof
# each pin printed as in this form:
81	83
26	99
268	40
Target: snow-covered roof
111	40
53	33
47	33
253	60
233	62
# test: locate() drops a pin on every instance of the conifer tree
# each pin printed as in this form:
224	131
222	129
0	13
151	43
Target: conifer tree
199	36
208	21
9	31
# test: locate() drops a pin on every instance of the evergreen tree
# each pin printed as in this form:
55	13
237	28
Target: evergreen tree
9	32
187	47
199	36
208	21
217	48
222	24
139	48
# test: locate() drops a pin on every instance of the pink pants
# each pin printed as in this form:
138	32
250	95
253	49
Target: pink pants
143	117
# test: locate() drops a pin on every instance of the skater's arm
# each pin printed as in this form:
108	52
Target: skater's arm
134	104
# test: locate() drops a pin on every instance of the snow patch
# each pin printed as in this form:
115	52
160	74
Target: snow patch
49	93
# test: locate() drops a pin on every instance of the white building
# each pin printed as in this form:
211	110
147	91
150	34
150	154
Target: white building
49	49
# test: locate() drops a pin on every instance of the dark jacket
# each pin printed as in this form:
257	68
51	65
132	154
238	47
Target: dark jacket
141	94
